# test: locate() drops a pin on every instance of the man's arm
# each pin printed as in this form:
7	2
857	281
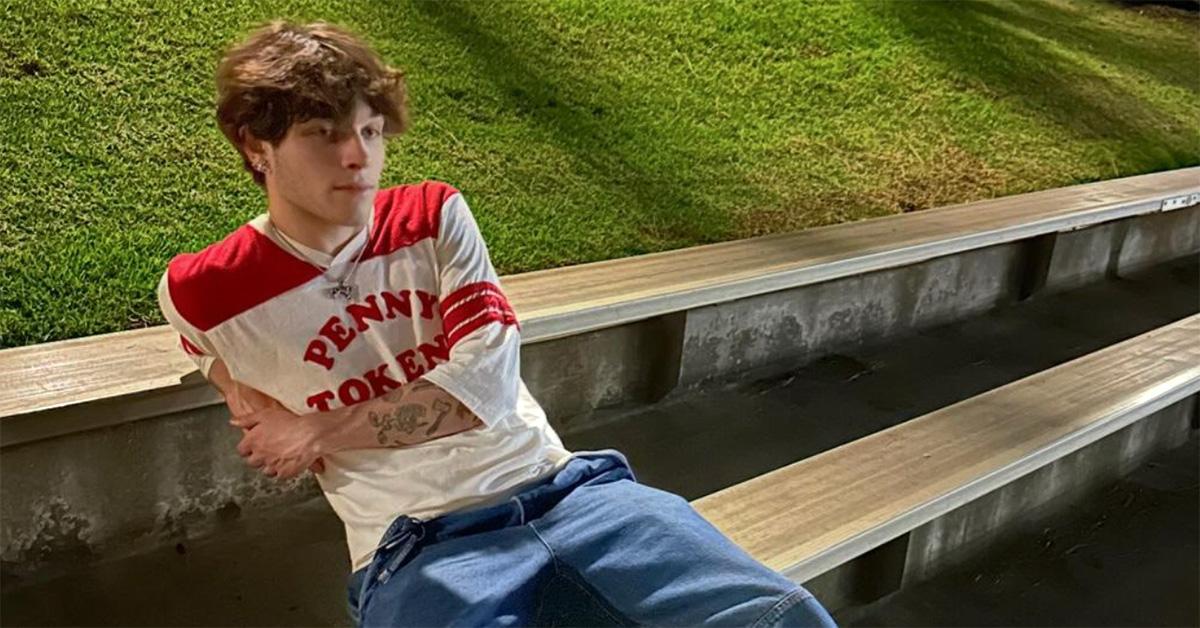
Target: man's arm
243	400
219	377
283	444
240	398
417	412
478	323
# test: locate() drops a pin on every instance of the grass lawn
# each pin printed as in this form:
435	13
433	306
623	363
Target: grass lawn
578	131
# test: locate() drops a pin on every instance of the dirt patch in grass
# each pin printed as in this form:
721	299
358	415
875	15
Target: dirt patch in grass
880	183
950	176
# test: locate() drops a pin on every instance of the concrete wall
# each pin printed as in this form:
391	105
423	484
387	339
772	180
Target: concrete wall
1122	246
958	535
773	333
778	331
629	365
105	491
782	330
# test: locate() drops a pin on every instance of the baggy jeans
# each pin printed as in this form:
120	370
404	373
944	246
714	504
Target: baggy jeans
588	545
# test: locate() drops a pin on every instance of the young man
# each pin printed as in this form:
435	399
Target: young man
362	333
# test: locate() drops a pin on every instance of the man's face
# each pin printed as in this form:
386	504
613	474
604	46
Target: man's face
330	169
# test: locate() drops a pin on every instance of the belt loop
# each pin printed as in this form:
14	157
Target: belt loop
520	509
399	530
410	533
404	529
409	542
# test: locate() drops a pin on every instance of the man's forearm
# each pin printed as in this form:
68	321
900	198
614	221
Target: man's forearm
219	377
418	412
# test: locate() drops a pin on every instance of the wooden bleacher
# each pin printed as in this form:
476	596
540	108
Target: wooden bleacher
810	516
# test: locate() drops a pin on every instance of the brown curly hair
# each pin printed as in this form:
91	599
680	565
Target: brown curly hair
284	73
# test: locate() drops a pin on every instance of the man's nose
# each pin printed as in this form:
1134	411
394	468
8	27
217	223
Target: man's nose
354	152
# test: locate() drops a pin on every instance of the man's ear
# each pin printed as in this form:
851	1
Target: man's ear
256	149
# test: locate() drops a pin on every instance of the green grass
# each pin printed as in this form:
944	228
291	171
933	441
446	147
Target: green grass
578	131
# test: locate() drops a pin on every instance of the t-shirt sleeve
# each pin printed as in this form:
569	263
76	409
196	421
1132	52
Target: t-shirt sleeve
192	341
480	326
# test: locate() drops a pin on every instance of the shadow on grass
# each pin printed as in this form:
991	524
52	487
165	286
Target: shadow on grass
1002	48
583	129
1142	53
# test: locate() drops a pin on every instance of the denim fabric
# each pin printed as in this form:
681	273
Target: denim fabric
588	545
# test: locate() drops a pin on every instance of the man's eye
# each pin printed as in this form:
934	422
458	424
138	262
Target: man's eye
371	132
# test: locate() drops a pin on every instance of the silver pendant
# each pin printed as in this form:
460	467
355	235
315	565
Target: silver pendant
343	292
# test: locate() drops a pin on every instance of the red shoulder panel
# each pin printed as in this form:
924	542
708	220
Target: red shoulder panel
407	214
231	276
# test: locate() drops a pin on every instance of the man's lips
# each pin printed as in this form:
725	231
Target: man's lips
352	188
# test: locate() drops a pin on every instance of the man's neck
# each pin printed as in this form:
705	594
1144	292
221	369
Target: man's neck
312	232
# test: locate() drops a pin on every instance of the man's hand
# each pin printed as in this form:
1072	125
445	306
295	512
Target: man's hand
279	442
244	400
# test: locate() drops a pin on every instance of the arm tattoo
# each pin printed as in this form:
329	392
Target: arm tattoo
407	417
417	386
442	408
404	419
398	395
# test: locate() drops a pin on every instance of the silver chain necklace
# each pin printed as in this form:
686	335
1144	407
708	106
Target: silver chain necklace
342	290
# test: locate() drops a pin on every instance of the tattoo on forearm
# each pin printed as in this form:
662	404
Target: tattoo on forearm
417	386
398	395
405	419
442	408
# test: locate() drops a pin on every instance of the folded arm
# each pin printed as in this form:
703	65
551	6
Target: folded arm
283	443
417	412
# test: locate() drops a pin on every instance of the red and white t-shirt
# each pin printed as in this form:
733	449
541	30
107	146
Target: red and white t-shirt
428	304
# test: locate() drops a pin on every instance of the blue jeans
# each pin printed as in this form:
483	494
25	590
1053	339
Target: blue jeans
588	545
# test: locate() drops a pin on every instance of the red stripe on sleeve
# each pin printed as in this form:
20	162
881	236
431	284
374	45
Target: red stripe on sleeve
470	305
463	292
491	315
189	347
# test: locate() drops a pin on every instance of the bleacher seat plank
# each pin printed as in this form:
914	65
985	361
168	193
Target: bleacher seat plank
575	299
815	514
40	377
